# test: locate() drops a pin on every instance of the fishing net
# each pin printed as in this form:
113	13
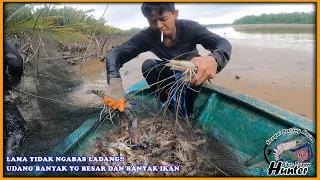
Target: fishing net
51	96
53	100
147	137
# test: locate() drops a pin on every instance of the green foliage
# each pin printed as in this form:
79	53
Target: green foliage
280	18
65	24
15	12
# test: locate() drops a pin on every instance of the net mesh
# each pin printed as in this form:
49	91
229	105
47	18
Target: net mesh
52	98
222	155
219	158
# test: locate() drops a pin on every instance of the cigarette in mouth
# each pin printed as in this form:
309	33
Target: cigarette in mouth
162	36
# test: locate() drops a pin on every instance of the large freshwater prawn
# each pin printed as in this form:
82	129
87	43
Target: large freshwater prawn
184	72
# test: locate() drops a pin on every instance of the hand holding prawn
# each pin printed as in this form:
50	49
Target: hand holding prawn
207	69
198	70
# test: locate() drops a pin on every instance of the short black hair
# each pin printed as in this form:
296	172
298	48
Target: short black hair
147	8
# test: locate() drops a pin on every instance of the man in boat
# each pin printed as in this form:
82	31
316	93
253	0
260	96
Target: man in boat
167	37
15	125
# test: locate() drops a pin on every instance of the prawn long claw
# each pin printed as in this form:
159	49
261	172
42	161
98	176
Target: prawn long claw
188	68
182	65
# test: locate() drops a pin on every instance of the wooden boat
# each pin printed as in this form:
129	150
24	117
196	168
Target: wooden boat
256	132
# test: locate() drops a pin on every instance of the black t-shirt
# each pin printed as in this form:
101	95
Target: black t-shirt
189	34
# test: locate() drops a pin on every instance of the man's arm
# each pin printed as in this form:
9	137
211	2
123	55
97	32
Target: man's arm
220	47
125	52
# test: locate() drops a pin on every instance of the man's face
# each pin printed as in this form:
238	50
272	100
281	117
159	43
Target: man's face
163	22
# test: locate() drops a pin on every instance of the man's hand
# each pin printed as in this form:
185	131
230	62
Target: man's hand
207	68
114	96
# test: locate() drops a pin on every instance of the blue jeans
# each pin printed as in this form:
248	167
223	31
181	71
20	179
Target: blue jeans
160	72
